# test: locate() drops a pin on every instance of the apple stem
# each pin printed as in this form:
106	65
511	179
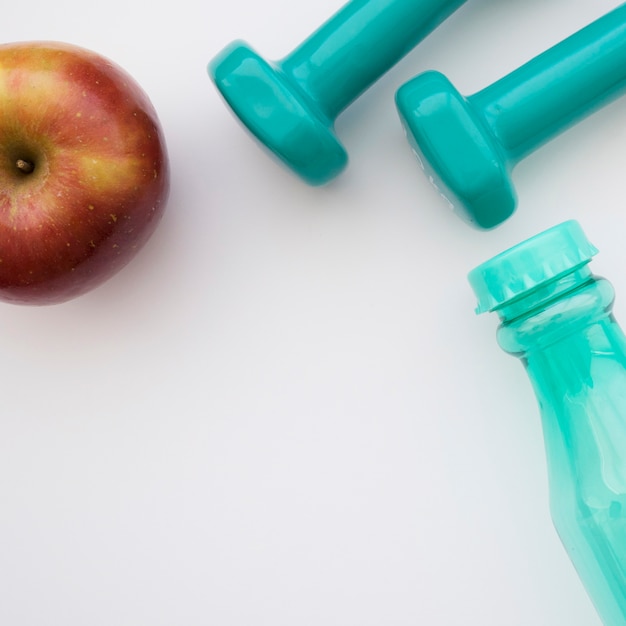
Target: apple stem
24	166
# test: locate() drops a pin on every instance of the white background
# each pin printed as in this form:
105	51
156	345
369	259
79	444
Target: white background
284	411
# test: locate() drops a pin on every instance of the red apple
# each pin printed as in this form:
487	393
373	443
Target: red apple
84	174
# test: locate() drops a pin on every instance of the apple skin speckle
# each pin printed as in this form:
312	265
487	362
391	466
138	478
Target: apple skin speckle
94	142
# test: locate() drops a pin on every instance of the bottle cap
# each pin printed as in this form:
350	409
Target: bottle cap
530	264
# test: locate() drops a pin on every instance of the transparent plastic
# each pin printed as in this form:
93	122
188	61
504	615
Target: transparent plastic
556	317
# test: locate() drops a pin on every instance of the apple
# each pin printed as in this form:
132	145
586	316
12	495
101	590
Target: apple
84	173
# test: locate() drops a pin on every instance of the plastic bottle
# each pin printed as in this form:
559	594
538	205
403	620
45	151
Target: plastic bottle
556	317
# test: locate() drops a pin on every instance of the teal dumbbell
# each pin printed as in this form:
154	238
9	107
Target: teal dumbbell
469	146
291	105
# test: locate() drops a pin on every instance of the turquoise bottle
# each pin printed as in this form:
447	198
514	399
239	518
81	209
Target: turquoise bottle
555	315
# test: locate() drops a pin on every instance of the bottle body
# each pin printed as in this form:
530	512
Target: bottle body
575	355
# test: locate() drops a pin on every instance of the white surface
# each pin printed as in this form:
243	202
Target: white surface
284	411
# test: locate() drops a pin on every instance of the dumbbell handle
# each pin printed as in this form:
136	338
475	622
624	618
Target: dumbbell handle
557	88
357	45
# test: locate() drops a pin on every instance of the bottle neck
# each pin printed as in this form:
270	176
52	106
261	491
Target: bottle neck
554	311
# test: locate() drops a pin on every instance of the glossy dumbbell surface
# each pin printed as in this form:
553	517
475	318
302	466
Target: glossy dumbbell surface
291	105
468	146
